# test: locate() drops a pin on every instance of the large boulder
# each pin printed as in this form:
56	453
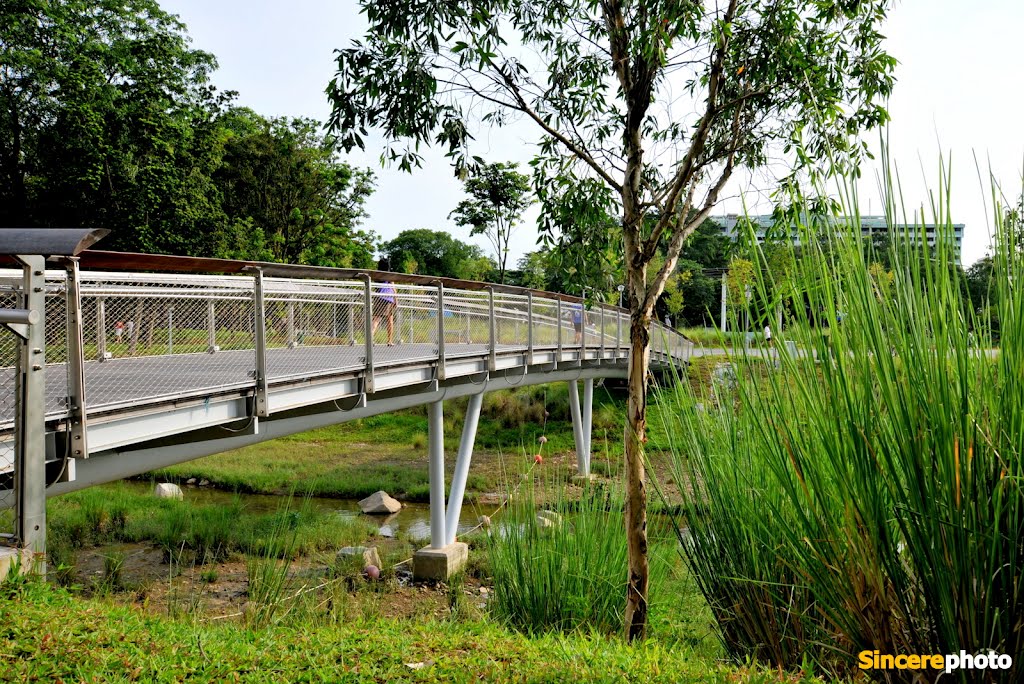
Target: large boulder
167	490
379	503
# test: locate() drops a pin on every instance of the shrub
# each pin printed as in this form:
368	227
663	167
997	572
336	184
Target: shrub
867	494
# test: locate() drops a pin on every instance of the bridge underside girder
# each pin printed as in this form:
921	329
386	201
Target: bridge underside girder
135	458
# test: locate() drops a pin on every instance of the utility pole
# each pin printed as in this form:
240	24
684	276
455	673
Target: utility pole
725	291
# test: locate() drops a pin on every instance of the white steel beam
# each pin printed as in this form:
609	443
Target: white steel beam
461	474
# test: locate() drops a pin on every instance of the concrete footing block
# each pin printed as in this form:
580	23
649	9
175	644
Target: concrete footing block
15	560
437	565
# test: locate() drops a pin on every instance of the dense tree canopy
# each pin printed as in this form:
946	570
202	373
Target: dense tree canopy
436	253
107	119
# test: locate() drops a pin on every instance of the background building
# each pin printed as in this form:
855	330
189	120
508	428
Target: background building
870	226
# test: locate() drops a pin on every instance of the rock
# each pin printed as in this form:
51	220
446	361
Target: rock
550	516
484	521
379	503
547	519
372	572
167	490
369	555
204	483
190	481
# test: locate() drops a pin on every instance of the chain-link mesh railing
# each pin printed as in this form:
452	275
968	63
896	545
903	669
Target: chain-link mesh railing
149	337
9	349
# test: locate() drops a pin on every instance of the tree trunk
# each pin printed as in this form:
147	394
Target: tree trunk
634	438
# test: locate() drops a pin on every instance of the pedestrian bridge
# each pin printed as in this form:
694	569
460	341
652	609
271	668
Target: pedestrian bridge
116	364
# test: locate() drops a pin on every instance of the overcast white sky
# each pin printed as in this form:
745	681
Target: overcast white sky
959	93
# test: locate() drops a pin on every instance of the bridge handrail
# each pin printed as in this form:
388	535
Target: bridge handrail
152	306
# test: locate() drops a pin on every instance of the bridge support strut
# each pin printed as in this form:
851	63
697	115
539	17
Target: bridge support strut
458	490
445	557
582	419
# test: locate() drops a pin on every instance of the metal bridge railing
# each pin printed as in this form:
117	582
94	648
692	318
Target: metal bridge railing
116	340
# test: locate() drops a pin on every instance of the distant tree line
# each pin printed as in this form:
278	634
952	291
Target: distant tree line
108	119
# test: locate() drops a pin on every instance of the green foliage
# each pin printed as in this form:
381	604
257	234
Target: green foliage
107	119
436	253
498	195
97	640
865	494
562	575
206	533
291	198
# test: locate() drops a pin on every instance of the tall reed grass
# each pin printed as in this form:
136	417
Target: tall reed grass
863	489
563	574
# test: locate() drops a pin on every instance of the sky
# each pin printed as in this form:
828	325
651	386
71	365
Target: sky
958	99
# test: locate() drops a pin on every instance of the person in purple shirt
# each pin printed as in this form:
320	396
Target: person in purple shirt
384	307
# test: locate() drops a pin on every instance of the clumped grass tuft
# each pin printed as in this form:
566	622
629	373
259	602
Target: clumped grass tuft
562	568
867	492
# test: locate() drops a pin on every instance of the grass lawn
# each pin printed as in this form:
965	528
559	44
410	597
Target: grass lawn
49	634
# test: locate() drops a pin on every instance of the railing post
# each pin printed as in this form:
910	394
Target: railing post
75	362
492	361
352	323
601	319
583	331
529	328
558	328
30	412
260	320
618	334
211	333
368	332
101	329
291	325
440	332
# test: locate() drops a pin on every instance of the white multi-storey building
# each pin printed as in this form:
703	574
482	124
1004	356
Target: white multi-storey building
870	225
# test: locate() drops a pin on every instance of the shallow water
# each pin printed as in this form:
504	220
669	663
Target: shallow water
413	521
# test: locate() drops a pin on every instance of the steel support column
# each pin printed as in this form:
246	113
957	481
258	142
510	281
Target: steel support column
588	414
582	457
30	410
435	440
461	474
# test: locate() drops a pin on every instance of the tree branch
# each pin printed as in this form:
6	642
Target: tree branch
685	175
577	150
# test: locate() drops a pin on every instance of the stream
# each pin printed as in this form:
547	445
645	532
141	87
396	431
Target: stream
413	521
